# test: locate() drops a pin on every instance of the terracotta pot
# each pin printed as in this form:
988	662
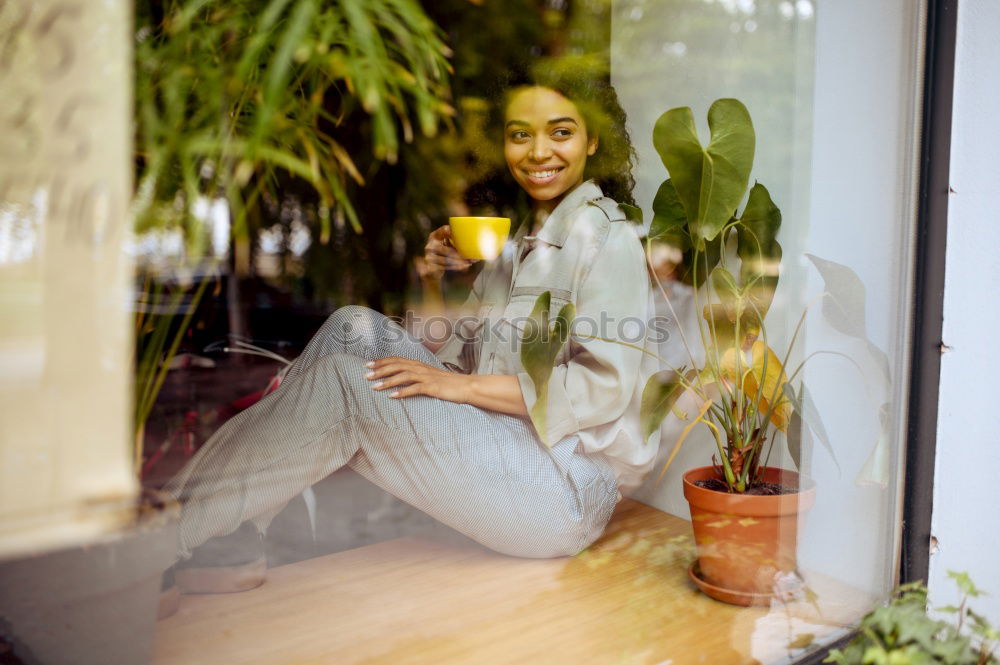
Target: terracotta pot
746	544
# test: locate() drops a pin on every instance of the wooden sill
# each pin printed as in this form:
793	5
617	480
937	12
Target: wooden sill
625	600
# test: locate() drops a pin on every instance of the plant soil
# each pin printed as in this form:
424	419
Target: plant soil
757	489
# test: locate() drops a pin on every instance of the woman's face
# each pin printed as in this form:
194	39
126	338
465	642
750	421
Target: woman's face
545	144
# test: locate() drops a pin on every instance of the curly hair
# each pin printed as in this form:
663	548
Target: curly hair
589	88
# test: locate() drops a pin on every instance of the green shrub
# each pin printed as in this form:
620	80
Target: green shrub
903	633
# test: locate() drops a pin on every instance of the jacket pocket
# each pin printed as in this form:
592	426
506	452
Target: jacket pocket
514	317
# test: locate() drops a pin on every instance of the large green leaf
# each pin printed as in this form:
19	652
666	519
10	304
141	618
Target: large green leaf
728	160
758	248
675	138
540	346
669	219
658	397
710	181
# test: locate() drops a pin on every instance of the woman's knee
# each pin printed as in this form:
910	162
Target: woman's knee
351	312
356	327
351	320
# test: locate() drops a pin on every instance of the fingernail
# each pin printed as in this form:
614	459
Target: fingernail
369	375
370	364
377	384
394	393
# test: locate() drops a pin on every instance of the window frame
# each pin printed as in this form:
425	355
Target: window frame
928	291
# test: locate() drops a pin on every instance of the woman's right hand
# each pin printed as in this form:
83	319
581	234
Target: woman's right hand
440	255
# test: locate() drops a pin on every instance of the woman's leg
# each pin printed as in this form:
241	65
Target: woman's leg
482	473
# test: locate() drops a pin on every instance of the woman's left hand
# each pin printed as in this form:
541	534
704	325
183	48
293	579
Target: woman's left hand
405	378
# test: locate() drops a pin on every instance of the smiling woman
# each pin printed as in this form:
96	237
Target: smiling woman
449	433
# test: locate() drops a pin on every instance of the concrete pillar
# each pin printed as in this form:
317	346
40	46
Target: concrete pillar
65	322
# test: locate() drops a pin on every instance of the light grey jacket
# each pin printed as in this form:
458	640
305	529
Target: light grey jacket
588	254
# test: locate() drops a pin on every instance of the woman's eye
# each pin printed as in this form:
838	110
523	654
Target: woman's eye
519	135
562	133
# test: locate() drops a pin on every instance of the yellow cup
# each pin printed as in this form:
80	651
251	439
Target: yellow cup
479	237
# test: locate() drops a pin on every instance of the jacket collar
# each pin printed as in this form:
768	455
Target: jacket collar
559	222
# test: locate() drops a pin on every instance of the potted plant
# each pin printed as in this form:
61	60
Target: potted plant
744	513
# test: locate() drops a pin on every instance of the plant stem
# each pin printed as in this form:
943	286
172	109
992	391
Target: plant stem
673	312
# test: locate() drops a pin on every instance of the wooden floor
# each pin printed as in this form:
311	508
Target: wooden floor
626	600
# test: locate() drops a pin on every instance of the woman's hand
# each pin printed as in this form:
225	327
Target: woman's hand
441	255
405	378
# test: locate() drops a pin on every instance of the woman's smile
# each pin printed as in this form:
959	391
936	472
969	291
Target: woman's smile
542	176
546	144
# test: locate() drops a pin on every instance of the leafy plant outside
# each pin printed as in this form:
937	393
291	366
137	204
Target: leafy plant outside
904	633
234	99
230	94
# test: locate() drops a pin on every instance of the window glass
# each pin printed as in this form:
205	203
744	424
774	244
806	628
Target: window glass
443	197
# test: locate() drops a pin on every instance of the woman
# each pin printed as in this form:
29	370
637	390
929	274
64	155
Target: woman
450	434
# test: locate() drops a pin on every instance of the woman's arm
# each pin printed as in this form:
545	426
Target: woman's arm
497	392
408	377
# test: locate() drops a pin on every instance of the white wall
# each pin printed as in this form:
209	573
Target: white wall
966	519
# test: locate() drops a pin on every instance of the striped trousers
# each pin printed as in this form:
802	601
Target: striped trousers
483	473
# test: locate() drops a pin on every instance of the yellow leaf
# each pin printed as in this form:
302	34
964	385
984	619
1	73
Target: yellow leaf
770	386
732	364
